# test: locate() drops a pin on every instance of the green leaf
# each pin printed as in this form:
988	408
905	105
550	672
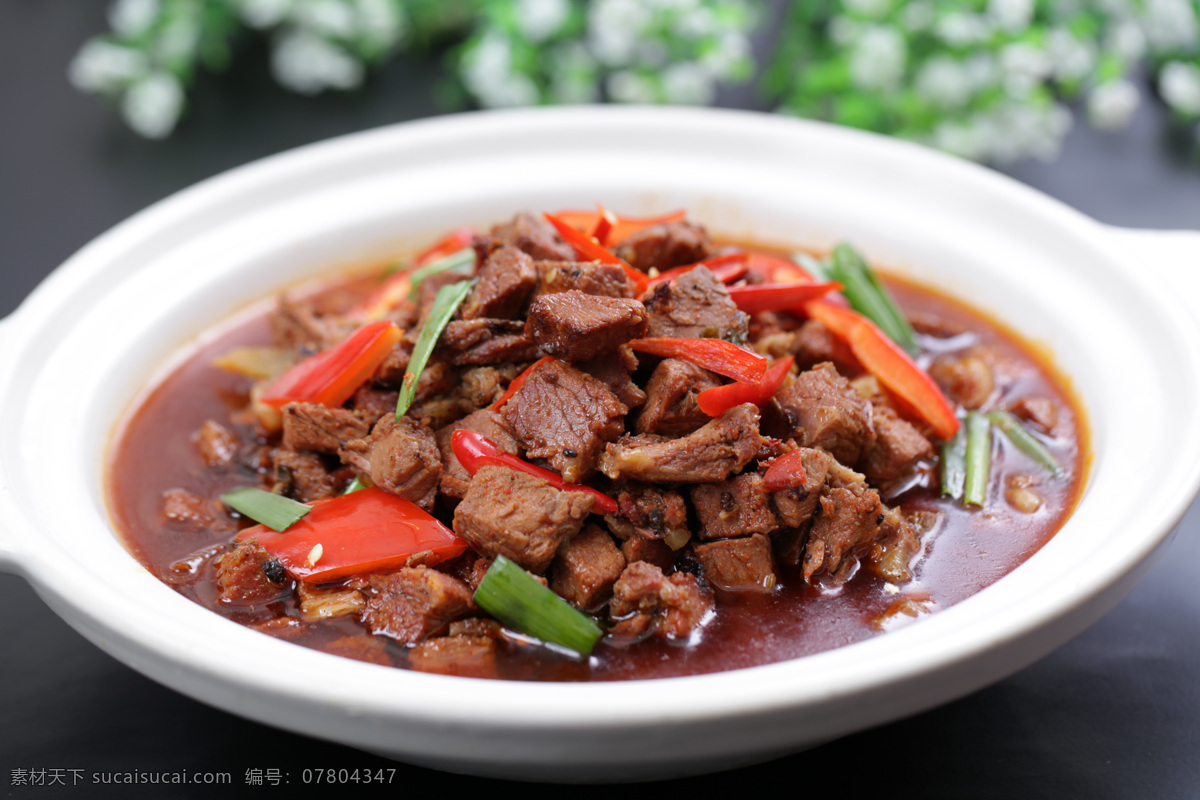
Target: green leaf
448	299
275	511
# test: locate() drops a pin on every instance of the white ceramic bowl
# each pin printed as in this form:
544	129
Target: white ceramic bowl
74	354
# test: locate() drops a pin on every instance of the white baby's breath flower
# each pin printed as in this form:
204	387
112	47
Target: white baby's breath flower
626	86
963	139
264	13
1024	66
960	29
944	82
573	76
697	25
612	29
1179	83
178	41
918	15
1170	24
731	51
844	31
326	17
1070	58
102	66
1126	39
152	105
878	58
132	18
308	64
509	91
538	20
688	84
982	71
1011	16
1111	105
381	21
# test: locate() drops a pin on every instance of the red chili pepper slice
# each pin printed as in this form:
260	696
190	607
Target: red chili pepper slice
591	250
717	355
785	472
622	229
894	368
719	399
779	296
605	222
724	268
396	287
474	450
518	382
331	376
366	531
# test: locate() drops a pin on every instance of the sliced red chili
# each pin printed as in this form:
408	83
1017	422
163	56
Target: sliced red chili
474	450
719	399
331	376
366	531
894	368
779	296
785	472
591	250
717	355
518	382
622	229
724	268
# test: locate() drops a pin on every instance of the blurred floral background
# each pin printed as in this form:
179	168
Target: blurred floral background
990	80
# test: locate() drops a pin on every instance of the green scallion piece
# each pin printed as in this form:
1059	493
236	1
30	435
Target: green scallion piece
518	600
869	297
448	299
1025	441
954	465
816	267
273	510
355	485
460	260
978	458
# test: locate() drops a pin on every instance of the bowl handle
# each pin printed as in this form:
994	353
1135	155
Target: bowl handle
1173	256
10	518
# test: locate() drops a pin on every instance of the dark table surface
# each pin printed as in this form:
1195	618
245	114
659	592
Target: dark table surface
1113	714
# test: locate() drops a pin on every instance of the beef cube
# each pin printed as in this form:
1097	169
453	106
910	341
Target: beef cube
652	551
822	410
482	386
671	408
400	457
650	511
566	416
696	306
844	529
486	341
312	426
589	277
361	648
371	403
534	236
739	565
506	279
586	568
414	603
647	602
248	575
296	326
575	327
465	655
899	540
814	344
795	505
1041	412
326	602
217	444
666	245
455	478
302	475
898	448
713	453
616	370
736	507
511	513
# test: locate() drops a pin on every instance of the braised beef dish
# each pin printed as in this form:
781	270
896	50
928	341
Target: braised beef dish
585	447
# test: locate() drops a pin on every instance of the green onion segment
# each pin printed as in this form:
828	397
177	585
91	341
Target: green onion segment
814	266
954	464
448	299
1025	441
275	511
518	600
978	458
458	260
355	485
868	296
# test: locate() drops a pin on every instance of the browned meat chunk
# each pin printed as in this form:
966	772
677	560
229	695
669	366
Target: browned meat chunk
1040	412
312	426
898	448
823	410
510	513
506	279
966	379
578	327
616	370
295	325
217	444
739	565
647	602
795	505
414	603
188	508
667	245
586	568
361	648
736	507
486	341
650	511
711	454
302	475
813	344
844	529
565	416
589	277
533	235
671	392
653	551
696	306
372	403
899	541
455	479
248	575
465	655
400	457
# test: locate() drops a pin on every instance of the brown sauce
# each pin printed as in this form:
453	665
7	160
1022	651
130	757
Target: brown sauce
970	549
